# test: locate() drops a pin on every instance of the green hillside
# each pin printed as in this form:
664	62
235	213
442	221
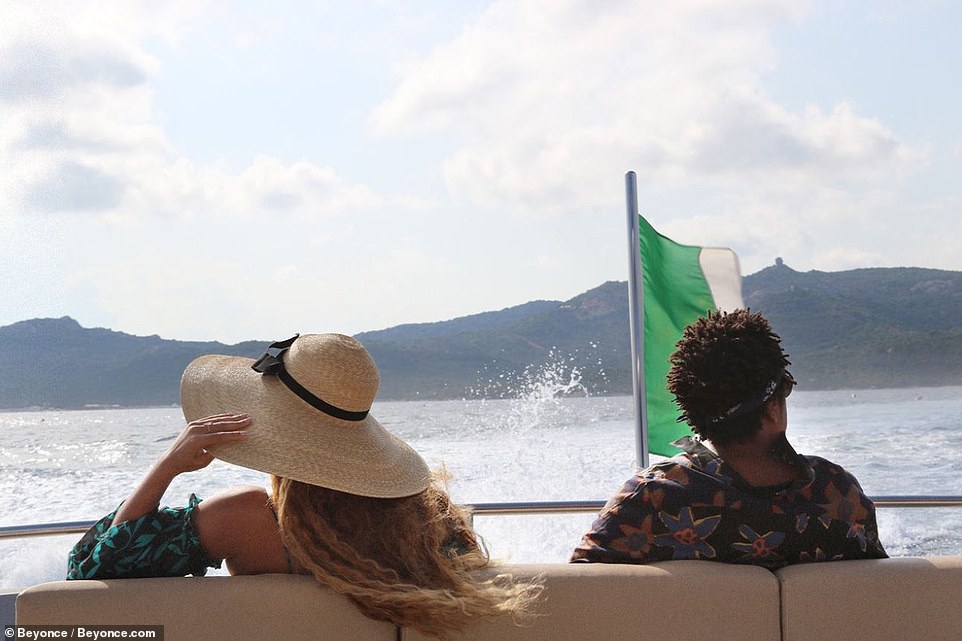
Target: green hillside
891	327
587	333
884	327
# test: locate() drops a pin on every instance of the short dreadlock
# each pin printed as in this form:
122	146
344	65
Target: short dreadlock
724	359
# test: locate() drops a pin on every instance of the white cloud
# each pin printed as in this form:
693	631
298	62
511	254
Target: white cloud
149	238
527	110
82	134
549	100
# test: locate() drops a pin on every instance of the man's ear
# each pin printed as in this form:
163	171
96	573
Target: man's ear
773	409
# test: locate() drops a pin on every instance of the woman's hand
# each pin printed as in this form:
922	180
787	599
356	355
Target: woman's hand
186	454
189	451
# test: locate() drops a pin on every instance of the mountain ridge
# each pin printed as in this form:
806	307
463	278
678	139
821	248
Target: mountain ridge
873	327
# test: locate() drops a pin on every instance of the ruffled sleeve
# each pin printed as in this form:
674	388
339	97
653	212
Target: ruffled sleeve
161	543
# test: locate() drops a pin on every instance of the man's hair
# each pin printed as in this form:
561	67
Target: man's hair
724	359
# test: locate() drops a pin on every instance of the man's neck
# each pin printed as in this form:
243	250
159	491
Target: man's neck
755	463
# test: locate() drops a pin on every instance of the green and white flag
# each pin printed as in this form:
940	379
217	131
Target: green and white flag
680	283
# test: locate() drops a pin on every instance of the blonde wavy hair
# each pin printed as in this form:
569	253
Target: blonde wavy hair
409	561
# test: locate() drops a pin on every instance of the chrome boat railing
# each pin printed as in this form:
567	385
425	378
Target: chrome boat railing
562	507
496	509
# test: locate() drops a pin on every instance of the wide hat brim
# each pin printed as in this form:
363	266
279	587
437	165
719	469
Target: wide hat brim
290	438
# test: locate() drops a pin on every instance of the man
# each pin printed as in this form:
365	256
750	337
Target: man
739	493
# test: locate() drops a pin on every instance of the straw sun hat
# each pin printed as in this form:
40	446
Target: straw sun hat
308	400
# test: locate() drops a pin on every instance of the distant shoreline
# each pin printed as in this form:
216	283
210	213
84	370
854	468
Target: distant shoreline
854	391
883	328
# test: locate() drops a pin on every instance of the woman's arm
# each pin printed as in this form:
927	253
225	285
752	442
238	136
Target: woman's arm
188	453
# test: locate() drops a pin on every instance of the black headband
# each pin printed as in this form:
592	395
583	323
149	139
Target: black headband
750	405
273	365
744	407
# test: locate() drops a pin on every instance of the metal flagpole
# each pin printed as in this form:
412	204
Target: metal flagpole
636	309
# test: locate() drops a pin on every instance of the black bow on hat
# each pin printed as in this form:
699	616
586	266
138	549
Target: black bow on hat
273	365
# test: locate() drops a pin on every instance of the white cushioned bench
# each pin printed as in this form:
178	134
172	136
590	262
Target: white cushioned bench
878	600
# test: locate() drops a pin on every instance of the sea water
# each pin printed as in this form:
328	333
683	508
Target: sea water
544	446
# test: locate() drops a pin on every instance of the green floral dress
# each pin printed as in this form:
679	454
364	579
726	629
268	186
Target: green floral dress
162	543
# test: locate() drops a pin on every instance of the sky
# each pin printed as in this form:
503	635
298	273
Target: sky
221	170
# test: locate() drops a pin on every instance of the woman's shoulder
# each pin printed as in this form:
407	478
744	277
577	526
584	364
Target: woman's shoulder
219	515
239	497
239	525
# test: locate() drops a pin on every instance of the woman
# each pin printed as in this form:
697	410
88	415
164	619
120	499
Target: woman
350	503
